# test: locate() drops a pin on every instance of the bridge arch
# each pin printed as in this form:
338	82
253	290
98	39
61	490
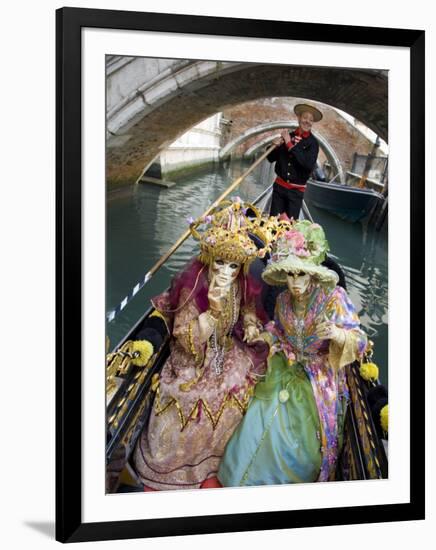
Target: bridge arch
156	105
280	124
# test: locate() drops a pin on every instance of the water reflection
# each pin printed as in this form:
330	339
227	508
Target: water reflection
144	221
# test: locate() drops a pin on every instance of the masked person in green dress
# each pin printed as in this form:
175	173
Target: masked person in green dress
292	431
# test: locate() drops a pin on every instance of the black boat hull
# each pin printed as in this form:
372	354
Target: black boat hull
349	203
363	455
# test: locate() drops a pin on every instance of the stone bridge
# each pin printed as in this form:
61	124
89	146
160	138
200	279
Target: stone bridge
151	102
248	134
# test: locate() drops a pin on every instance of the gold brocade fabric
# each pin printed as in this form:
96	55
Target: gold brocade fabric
196	410
339	356
201	406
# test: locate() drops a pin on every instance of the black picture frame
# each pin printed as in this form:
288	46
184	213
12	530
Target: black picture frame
69	22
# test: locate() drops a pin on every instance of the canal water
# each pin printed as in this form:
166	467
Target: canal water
143	221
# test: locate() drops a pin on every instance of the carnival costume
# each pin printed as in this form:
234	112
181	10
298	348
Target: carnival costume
292	431
204	388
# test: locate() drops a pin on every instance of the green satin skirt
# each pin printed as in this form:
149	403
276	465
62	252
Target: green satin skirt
278	439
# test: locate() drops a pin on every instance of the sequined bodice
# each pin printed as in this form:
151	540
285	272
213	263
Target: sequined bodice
299	328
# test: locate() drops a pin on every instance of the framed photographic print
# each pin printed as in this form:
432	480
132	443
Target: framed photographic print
235	283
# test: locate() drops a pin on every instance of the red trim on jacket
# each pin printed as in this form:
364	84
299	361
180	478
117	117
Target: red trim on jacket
297	132
288	185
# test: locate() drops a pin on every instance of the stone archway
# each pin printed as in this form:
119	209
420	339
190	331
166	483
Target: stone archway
147	116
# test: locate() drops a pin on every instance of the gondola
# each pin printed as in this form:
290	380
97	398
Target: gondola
130	393
351	204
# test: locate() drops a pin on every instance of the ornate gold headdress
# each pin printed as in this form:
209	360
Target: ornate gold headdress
227	236
269	229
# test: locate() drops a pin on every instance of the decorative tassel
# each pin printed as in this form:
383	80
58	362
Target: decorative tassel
369	371
145	350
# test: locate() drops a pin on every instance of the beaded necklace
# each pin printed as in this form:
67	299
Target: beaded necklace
298	320
219	348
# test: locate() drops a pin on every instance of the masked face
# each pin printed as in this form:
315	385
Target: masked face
298	283
305	121
224	272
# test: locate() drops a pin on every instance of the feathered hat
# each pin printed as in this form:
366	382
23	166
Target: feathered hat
300	249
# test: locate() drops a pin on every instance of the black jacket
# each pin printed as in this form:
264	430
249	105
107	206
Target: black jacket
295	165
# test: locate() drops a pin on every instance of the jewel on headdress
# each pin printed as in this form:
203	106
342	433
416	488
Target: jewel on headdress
228	234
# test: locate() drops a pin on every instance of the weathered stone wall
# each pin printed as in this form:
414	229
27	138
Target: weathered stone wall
199	146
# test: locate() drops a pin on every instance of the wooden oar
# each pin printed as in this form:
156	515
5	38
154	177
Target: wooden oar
186	234
111	315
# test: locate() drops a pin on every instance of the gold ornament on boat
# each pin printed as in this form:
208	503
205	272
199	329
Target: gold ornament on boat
137	353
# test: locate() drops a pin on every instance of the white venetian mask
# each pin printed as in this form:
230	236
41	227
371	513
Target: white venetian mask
223	272
298	283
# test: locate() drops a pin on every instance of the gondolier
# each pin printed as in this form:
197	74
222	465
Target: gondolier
295	157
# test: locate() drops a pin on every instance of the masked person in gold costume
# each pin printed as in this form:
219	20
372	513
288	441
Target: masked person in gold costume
214	316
